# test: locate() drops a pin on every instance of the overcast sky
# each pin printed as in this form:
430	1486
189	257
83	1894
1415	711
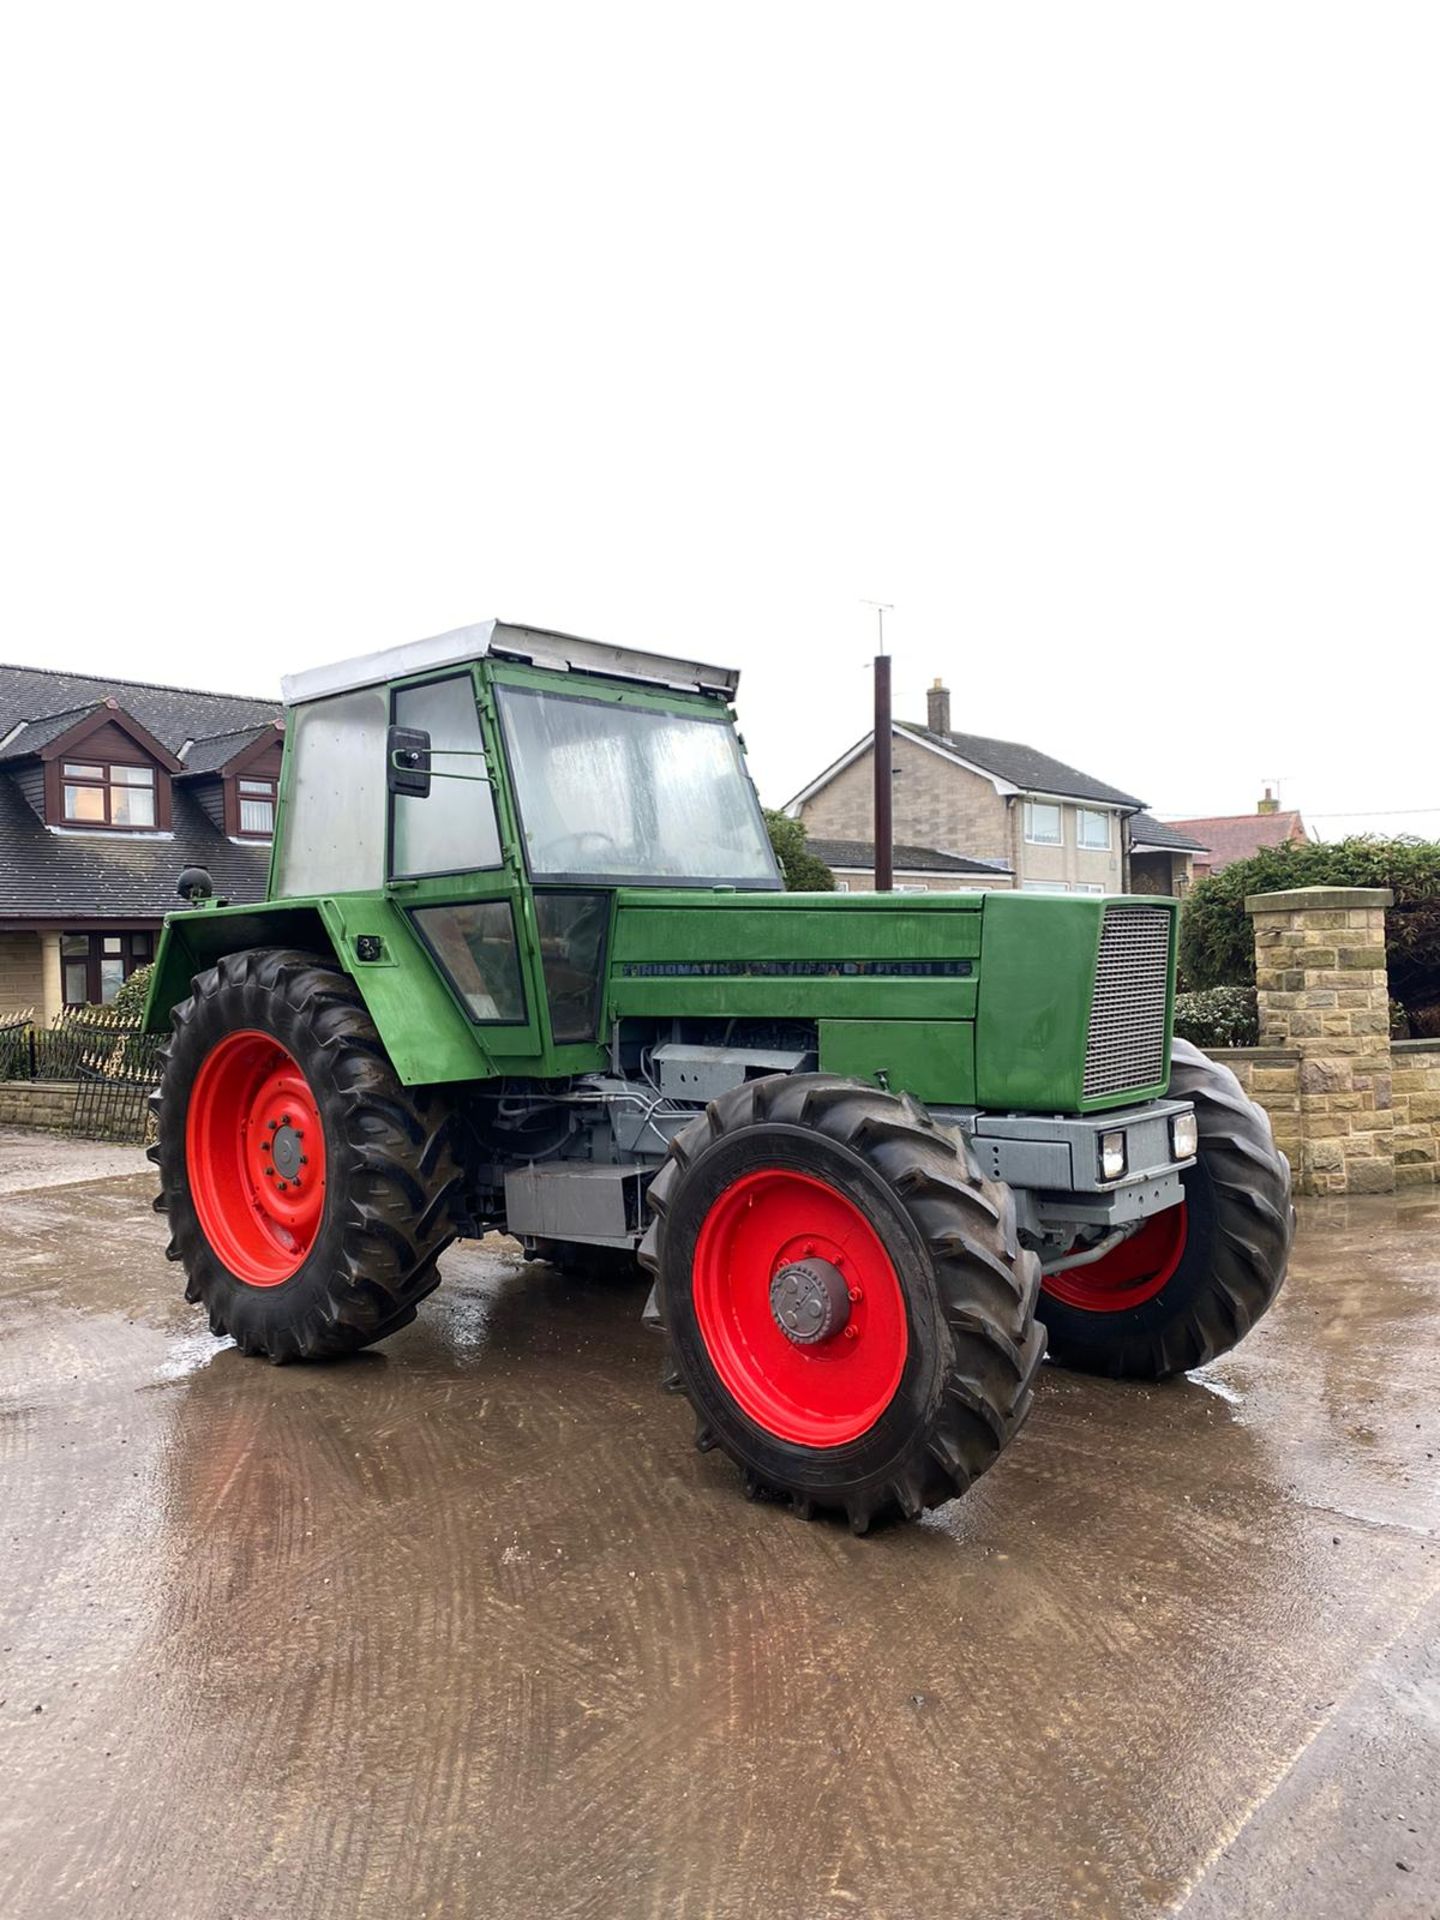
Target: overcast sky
1103	341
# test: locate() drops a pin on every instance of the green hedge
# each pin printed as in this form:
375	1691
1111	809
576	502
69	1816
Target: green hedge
130	998
804	871
1218	1017
1217	947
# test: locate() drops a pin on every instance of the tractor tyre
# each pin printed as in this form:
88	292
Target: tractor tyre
308	1192
846	1303
1195	1279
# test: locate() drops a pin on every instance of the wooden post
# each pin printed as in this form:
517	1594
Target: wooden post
884	780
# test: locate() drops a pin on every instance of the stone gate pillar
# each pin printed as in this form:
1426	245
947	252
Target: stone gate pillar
1324	994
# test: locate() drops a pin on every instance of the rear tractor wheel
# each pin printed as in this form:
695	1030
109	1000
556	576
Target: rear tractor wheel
308	1192
847	1305
1194	1279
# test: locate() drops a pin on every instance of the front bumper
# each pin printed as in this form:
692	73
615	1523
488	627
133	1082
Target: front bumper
1052	1161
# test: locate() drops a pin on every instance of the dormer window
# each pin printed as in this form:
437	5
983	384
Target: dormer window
257	809
100	793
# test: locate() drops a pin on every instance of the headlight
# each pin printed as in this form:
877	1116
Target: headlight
1184	1136
1112	1155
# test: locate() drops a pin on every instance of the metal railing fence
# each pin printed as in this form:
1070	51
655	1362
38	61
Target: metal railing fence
113	1065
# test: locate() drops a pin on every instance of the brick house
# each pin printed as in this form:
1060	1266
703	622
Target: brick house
1040	824
107	789
1229	837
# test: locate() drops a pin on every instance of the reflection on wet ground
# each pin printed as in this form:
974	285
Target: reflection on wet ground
465	1626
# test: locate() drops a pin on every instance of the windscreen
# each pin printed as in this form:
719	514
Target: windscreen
611	791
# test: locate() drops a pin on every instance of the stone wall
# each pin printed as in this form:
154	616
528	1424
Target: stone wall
47	1104
1271	1077
1362	1111
1415	1085
1323	994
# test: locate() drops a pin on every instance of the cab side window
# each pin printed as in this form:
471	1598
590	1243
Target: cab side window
453	828
572	930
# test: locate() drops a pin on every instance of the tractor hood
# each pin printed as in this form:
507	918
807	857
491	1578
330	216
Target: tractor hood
1066	1002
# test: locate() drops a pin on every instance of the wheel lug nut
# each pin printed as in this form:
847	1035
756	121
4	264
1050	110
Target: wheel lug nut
273	1124
304	1159
282	1186
852	1333
269	1173
284	1119
856	1294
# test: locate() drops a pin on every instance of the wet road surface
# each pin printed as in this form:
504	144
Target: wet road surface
465	1628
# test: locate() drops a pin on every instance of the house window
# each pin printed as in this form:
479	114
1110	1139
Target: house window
1043	824
104	794
93	965
1094	829
257	809
1043	886
912	886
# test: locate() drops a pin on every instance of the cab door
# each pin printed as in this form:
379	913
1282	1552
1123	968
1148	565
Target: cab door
448	869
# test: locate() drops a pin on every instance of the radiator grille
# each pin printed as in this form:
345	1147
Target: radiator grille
1126	1043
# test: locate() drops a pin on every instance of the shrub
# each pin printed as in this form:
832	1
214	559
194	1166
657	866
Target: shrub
130	996
804	872
1218	1017
1217	947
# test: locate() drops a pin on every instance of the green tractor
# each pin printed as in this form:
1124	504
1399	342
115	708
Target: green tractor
526	965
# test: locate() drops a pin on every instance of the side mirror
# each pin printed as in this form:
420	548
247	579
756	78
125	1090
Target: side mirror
407	761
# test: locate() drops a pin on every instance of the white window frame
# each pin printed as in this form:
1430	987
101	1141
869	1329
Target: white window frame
1082	814
1089	886
1033	839
1044	886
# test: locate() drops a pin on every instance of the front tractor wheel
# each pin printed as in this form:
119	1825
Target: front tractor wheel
847	1305
1194	1279
308	1192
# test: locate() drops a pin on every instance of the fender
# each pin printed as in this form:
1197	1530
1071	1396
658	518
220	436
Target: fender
425	1034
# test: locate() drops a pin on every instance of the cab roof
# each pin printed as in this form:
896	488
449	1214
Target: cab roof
502	640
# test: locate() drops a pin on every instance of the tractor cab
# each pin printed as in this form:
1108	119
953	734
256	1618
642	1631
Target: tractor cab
499	747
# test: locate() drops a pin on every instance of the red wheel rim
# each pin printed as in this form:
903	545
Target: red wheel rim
1134	1273
255	1155
819	1395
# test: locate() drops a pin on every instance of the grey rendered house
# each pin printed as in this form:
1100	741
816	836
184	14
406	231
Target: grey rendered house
107	789
1031	821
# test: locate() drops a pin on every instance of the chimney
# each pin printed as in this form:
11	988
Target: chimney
1269	804
937	701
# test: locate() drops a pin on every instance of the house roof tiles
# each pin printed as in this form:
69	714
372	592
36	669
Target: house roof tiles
208	755
1147	831
1025	767
860	854
49	875
173	714
1232	837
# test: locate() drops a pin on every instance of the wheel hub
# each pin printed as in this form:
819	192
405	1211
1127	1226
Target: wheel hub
810	1301
287	1151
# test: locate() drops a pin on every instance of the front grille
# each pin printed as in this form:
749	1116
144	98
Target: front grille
1126	1043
